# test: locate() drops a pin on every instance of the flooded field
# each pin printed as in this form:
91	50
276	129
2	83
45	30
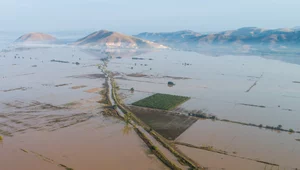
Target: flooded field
51	115
245	89
250	143
157	120
51	96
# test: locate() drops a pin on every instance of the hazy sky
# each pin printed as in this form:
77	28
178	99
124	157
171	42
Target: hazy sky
134	16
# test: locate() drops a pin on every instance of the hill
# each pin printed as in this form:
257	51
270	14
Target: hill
110	39
171	39
242	36
35	38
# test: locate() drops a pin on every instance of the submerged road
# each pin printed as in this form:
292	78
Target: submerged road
169	155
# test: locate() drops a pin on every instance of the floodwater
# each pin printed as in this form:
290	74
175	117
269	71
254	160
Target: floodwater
246	142
247	89
51	118
95	144
219	85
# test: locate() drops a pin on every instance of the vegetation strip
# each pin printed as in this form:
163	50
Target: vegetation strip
161	101
254	84
45	159
278	128
252	105
181	157
211	149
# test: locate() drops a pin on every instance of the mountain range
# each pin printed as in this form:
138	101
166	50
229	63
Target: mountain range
248	37
242	36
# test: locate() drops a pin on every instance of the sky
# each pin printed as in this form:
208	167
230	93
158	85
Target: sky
135	16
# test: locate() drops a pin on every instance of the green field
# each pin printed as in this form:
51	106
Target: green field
161	101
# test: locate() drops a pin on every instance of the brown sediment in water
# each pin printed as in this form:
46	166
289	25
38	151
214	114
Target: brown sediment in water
79	87
60	128
212	149
252	105
60	85
31	106
237	141
15	89
136	75
122	78
177	78
89	76
217	161
94	90
100	148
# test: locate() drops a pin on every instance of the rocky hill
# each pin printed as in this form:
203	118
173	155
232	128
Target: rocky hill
110	39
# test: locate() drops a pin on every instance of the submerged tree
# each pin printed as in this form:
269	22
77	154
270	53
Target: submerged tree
291	131
132	89
170	84
279	126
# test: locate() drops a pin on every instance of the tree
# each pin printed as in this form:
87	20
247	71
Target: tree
291	131
279	126
170	84
127	117
132	89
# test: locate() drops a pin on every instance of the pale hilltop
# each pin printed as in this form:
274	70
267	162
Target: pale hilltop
110	39
35	38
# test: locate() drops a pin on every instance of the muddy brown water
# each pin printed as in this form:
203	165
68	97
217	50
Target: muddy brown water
248	142
219	81
248	89
45	122
214	161
97	143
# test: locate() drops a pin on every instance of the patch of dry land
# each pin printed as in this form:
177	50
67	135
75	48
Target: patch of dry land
53	120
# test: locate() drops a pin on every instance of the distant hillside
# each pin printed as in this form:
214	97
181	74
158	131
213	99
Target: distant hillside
252	36
242	36
170	38
178	36
297	28
109	39
35	37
